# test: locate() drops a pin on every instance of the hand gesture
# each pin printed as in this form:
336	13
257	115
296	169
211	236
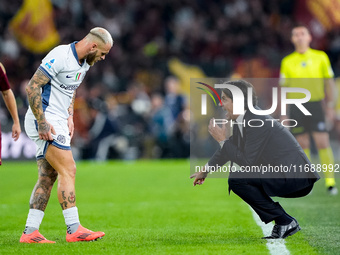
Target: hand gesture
219	134
199	177
45	131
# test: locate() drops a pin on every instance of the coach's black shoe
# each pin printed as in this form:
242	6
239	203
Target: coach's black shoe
283	231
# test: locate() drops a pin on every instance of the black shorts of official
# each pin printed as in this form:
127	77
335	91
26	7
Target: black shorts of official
308	123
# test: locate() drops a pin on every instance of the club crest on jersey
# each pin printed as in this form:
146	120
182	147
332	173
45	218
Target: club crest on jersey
61	138
50	63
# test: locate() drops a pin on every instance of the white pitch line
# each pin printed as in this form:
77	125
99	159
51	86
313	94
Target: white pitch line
275	246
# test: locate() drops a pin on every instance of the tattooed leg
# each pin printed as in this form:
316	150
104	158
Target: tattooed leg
42	190
66	191
62	161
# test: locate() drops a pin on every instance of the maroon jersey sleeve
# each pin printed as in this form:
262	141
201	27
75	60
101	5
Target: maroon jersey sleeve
4	84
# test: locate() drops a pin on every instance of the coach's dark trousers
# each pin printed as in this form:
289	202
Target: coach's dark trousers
252	192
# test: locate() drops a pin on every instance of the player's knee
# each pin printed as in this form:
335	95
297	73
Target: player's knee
53	176
72	171
67	173
48	179
323	144
304	143
321	140
305	146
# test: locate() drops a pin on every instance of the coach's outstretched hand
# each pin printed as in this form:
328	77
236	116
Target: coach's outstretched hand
45	131
199	177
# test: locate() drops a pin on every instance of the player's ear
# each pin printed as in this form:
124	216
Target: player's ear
94	47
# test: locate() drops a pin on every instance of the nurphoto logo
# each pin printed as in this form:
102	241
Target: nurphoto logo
239	101
238	98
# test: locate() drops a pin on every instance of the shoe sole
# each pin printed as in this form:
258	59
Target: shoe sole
95	239
292	232
34	242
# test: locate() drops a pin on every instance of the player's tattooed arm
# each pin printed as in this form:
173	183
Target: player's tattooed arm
34	96
39	80
70	109
70	123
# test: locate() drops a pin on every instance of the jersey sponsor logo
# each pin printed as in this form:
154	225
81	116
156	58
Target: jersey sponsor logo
73	87
50	63
61	138
69	76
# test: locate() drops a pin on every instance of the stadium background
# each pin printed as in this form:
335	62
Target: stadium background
135	103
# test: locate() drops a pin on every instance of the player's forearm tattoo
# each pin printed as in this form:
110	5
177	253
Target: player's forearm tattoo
42	190
34	96
44	126
70	109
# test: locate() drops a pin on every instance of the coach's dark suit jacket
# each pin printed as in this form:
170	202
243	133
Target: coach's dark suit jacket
267	145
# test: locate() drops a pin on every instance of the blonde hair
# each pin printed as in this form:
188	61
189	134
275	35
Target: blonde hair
100	33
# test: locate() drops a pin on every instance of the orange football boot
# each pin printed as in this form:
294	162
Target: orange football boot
34	237
83	234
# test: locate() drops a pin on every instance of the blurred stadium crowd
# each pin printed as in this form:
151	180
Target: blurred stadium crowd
135	103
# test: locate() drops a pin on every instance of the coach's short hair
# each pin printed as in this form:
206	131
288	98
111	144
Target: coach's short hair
243	86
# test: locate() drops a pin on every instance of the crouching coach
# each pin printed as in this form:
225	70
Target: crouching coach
268	145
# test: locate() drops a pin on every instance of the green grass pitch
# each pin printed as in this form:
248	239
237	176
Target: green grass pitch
151	207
